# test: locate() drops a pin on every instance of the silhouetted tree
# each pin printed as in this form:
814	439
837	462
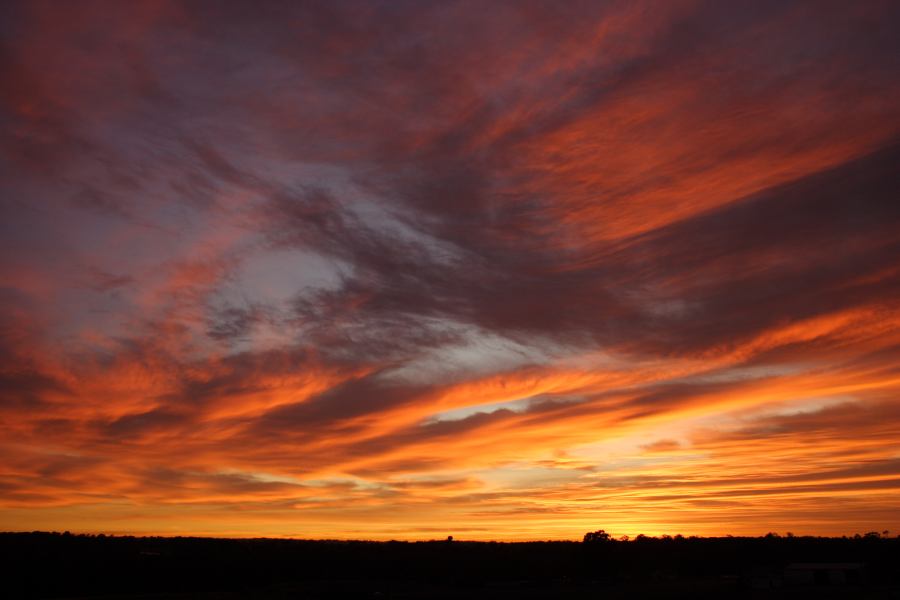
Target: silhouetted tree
596	536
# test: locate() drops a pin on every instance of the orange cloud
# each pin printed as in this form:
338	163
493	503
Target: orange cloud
401	272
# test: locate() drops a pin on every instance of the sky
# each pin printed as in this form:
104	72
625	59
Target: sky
407	269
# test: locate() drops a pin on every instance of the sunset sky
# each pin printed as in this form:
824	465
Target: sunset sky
408	269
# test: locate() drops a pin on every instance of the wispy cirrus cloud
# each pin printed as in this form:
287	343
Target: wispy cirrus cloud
357	269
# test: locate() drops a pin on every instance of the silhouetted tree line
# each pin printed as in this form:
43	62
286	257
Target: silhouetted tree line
48	565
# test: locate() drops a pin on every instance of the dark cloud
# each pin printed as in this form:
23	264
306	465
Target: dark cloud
101	281
762	261
136	425
23	388
368	395
235	323
745	268
876	419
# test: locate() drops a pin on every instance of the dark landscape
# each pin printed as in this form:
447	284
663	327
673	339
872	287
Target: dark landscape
512	283
54	565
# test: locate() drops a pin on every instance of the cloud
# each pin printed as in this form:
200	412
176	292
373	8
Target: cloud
646	254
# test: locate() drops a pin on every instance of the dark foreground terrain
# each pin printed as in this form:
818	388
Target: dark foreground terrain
53	565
